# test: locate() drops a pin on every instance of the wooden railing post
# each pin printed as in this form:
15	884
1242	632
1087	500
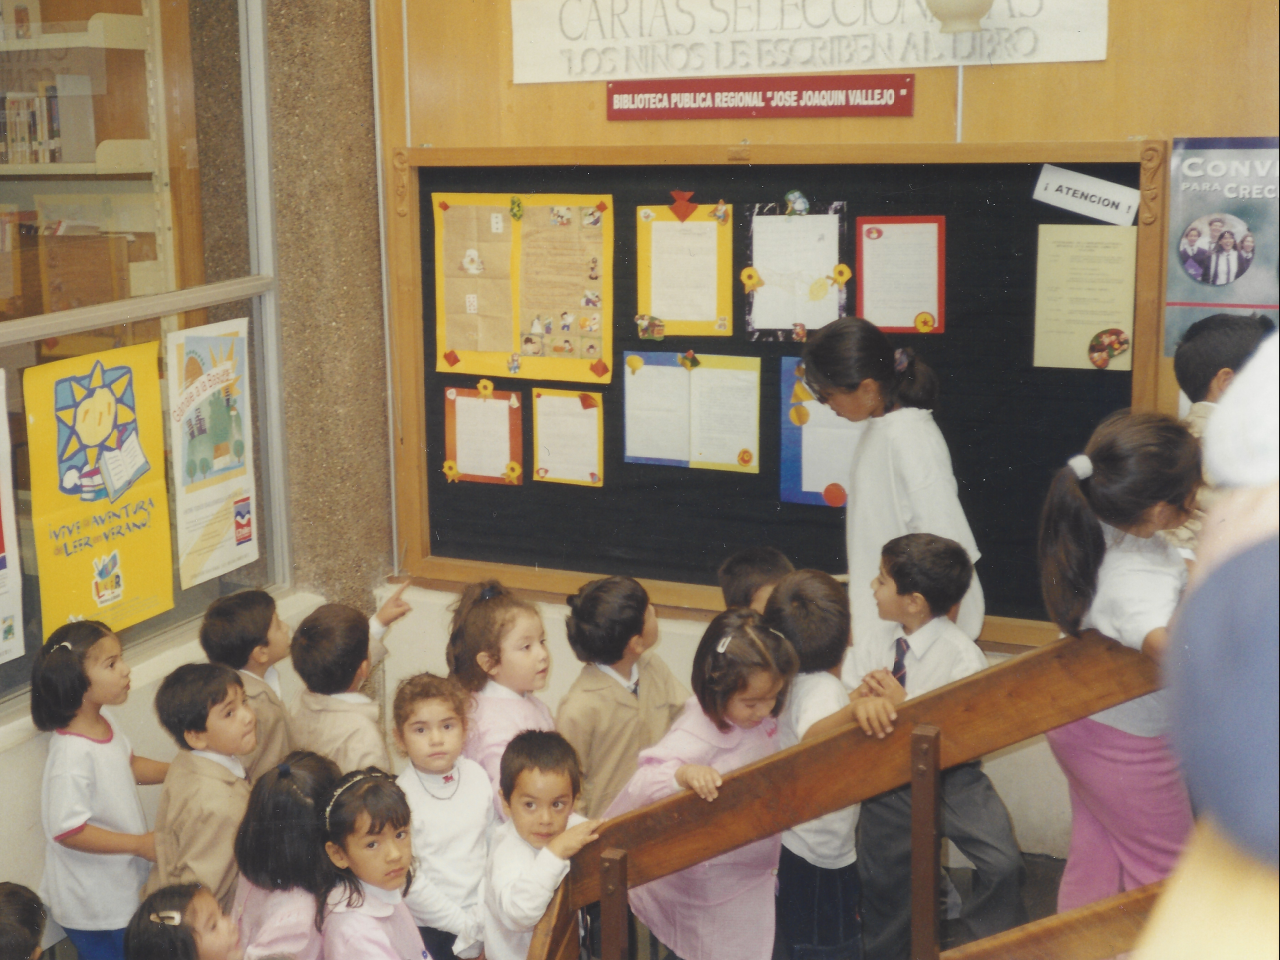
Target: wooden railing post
613	905
926	820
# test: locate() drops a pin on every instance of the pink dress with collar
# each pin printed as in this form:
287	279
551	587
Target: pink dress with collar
721	909
497	716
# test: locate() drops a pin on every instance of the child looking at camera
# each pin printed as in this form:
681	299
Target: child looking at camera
451	801
818	888
205	792
96	840
921	578
498	652
366	831
22	920
530	852
280	853
181	922
722	909
626	697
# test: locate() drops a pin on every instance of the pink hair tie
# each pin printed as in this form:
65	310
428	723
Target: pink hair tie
900	360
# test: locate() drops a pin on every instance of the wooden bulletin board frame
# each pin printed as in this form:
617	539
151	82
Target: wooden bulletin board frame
1151	377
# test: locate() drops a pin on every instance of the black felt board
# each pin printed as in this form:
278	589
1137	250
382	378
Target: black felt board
1008	425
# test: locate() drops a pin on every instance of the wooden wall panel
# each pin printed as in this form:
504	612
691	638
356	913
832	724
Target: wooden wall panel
1172	70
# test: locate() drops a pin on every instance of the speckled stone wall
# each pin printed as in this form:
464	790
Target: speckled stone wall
330	293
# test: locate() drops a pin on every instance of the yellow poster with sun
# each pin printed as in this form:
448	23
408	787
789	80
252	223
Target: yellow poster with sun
99	502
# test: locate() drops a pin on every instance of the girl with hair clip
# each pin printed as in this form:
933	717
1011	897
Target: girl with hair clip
366	837
722	909
181	922
902	481
1103	568
280	852
97	845
498	652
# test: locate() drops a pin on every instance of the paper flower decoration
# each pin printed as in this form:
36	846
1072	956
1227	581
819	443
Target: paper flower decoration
450	471
751	278
512	473
842	275
745	457
485	389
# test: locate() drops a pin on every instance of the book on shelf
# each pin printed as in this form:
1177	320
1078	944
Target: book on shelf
52	124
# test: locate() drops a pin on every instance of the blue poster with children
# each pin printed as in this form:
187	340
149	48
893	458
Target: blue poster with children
1224	245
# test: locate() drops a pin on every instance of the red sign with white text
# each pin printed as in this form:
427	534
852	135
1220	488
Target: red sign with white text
723	98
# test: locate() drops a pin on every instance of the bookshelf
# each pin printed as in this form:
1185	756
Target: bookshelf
118	75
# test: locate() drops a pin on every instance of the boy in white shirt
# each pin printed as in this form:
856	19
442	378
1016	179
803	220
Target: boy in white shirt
818	885
529	854
921	577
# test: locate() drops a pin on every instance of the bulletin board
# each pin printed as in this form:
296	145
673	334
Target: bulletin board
1008	425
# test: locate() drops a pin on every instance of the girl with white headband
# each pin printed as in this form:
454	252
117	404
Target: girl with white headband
1103	568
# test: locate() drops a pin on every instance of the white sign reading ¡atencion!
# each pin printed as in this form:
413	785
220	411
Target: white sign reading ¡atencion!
561	41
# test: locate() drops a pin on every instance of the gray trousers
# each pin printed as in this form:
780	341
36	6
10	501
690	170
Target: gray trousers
975	819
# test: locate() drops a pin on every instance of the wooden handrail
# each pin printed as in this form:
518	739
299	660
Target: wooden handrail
1020	698
1094	932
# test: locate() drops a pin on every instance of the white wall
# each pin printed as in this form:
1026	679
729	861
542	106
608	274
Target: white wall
1026	775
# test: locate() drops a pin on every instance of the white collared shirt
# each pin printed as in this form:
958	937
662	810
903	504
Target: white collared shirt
270	676
386	896
938	653
231	763
628	682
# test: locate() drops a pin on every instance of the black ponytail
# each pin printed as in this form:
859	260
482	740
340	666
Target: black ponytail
1135	462
58	681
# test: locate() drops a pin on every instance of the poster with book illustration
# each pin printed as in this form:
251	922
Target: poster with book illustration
11	636
209	422
99	502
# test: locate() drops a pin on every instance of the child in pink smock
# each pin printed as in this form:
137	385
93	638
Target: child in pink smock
498	651
722	909
370	853
280	853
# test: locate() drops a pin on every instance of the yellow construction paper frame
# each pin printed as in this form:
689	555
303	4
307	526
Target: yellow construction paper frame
752	365
537	448
498	363
706	213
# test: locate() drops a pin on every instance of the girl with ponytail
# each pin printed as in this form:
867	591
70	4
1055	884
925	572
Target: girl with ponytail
1102	567
902	481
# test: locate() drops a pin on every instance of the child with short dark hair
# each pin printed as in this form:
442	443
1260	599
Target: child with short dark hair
748	577
1205	364
332	717
96	839
181	922
366	833
498	651
722	909
819	892
540	780
626	697
205	792
243	631
22	920
922	576
451	800
280	852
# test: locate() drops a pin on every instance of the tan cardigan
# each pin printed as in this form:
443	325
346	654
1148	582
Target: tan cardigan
609	727
349	734
273	730
201	806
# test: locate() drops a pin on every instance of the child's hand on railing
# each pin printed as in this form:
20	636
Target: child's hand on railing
883	683
704	781
875	715
574	839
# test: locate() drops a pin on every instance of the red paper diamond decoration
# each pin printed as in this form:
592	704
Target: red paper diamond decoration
443	205
602	206
682	208
452	358
599	368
